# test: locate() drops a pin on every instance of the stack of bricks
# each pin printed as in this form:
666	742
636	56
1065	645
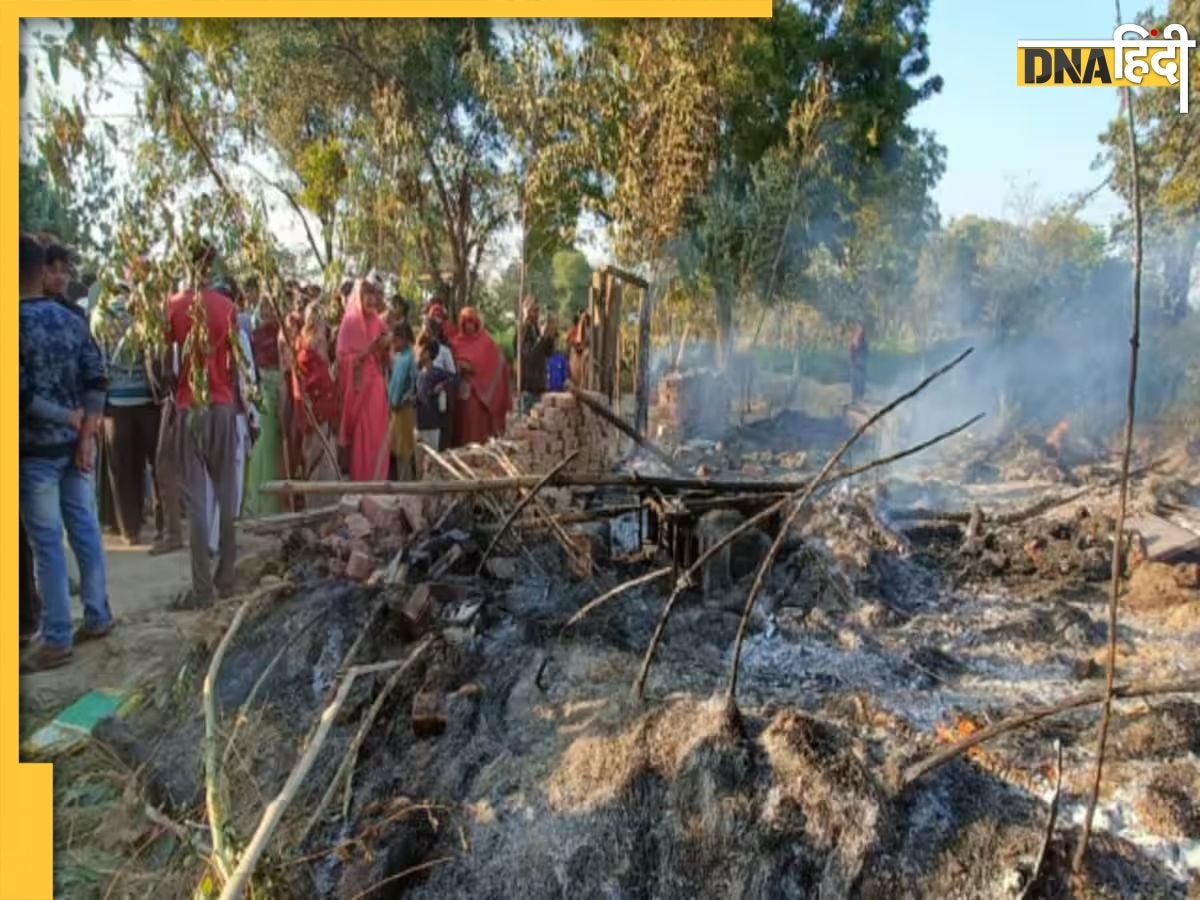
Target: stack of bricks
557	426
694	403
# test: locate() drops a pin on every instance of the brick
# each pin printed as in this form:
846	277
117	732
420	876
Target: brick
360	566
382	511
428	720
413	510
357	525
416	612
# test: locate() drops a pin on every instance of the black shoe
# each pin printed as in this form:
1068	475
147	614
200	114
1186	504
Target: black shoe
189	600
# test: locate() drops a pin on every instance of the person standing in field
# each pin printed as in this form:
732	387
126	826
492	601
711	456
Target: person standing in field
536	345
131	417
207	430
483	396
858	362
402	389
433	385
362	344
266	456
62	390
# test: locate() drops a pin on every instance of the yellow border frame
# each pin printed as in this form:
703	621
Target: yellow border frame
26	790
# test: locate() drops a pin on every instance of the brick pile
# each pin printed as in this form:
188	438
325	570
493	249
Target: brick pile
692	403
558	425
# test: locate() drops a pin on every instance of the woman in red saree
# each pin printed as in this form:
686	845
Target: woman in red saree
483	399
361	354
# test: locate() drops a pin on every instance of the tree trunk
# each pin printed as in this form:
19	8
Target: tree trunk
1177	273
521	294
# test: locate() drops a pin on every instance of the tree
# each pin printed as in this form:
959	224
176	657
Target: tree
571	275
814	148
43	207
1169	168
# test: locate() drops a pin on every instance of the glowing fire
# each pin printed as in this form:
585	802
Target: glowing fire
1057	433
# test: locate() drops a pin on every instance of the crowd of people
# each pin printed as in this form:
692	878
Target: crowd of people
116	432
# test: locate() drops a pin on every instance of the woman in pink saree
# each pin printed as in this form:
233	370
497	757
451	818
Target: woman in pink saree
483	404
361	358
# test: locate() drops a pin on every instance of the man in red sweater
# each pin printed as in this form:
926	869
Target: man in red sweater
207	432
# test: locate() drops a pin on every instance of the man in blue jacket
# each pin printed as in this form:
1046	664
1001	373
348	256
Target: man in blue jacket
62	392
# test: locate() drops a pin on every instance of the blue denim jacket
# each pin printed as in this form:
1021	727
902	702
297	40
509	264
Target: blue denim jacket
61	369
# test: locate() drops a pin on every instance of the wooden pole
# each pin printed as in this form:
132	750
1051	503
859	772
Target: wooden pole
1118	560
641	414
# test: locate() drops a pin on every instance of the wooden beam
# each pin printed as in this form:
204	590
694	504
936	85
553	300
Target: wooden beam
626	276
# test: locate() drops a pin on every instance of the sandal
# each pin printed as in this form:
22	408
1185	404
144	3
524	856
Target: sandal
159	548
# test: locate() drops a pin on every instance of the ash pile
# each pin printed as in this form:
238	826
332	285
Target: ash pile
492	703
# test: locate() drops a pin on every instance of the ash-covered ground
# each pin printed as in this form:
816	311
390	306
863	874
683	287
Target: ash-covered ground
514	760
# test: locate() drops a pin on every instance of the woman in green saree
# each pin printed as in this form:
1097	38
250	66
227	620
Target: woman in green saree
266	458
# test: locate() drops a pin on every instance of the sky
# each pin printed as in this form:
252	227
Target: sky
1007	146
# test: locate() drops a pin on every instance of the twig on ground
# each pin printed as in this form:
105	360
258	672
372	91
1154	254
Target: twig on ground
560	533
348	659
243	710
685	580
1188	684
1040	863
213	770
521	504
410	871
616	592
463	475
346	767
276	808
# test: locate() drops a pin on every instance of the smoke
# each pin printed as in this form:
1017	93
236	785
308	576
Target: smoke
1066	363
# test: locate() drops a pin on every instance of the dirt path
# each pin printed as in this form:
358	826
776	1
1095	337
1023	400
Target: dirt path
150	641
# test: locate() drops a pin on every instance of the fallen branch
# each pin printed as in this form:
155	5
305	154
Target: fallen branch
1118	561
276	808
412	870
521	504
346	767
685	580
561	535
616	592
764	567
243	710
1040	863
1188	684
213	770
628	430
564	539
465	476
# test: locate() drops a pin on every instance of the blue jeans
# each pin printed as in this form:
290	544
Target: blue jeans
55	494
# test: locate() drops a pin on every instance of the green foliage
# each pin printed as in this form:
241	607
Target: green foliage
44	207
571	274
1169	166
1008	279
